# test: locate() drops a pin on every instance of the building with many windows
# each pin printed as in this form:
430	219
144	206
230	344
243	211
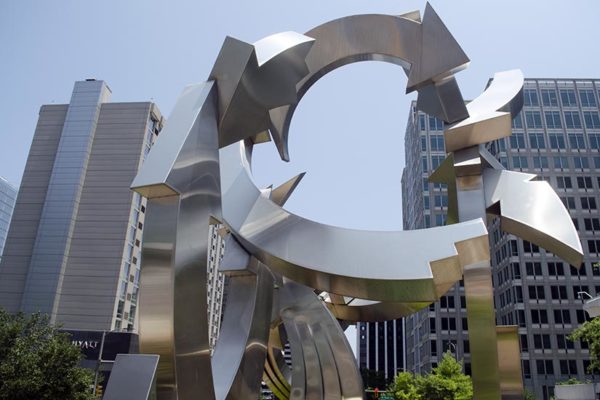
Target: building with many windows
8	194
73	248
557	137
380	347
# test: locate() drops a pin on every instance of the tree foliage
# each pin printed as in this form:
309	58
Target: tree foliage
589	332
38	362
445	382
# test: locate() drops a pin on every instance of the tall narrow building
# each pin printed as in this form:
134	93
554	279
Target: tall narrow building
557	137
73	247
8	195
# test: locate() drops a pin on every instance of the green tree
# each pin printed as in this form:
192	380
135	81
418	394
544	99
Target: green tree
38	362
404	387
589	332
445	382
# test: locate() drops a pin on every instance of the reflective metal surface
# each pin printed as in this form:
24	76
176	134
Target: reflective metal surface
198	173
426	50
533	211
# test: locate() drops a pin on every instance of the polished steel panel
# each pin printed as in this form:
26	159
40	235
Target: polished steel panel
509	359
132	377
337	258
329	370
490	114
533	211
254	79
426	50
239	356
369	275
156	300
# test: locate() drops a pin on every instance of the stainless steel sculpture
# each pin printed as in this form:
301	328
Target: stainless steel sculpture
198	173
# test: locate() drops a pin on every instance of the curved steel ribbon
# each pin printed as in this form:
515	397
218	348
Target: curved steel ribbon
199	173
426	50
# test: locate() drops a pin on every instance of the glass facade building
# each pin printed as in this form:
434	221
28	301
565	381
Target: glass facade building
556	137
8	195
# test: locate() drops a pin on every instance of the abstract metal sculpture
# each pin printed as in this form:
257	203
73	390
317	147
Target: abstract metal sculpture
198	173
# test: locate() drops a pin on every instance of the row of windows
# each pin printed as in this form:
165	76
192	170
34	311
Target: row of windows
553	120
537	269
567	96
542	162
556	141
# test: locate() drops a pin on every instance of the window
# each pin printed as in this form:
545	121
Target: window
557	141
533	269
517	122
433	347
526	369
530	97
558	292
435	124
536	292
564	182
556	269
424	163
540	162
521	318
569	202
436	142
544	367
518	294
562	316
564	342
423	143
541	342
561	162
587	98
465	324
517	141
519	162
537	140
572	120
581	162
436	161
516	270
539	316
422	122
553	119
432	325
594	246
592	120
567	96
584	182
568	367
440	219
523	340
582	317
591	224
588	203
576	141
594	139
549	98
534	119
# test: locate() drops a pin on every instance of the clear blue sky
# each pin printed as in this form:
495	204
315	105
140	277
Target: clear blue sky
347	132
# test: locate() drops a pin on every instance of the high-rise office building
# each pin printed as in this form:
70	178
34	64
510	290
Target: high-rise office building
73	247
557	137
8	195
380	347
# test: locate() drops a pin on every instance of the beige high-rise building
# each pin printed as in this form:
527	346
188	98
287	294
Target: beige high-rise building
73	247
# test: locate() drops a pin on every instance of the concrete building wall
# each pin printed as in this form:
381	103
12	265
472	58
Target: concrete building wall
100	246
8	196
28	208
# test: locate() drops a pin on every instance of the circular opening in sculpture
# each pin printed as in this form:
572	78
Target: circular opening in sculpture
347	134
